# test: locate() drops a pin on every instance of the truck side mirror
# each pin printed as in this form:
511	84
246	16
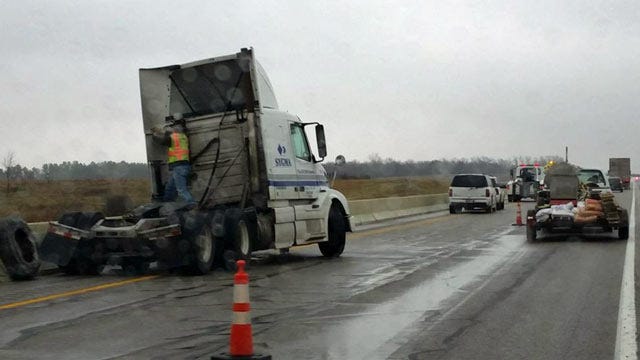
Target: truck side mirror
511	172
322	144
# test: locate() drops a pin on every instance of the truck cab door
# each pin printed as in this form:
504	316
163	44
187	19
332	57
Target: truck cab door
311	176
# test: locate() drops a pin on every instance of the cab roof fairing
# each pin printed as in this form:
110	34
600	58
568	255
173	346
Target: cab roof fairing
205	86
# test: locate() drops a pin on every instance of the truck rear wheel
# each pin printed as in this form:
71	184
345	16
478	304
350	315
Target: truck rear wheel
239	233
18	249
197	245
337	235
86	259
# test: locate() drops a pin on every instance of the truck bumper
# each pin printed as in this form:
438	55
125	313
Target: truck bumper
62	244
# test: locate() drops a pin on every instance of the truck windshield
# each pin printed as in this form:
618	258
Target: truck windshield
528	173
591	176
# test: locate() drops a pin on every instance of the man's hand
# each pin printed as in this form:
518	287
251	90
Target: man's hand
157	130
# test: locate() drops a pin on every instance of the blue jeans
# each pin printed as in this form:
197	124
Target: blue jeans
178	184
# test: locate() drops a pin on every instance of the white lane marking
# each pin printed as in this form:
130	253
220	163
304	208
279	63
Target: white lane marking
626	347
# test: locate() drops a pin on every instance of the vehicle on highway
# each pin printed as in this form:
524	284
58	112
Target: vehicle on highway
616	184
594	180
575	201
621	167
258	183
501	193
526	180
472	192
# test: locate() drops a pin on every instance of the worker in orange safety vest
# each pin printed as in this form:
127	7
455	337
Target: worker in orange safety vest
178	159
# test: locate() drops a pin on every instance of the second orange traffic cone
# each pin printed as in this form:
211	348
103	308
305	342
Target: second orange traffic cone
518	216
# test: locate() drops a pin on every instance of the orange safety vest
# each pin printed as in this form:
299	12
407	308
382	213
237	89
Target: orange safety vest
179	149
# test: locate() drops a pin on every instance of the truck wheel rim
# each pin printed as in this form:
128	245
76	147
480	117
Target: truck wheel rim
203	241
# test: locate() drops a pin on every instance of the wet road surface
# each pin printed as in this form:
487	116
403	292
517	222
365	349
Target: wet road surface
446	286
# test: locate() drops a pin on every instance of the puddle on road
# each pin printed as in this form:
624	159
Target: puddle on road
370	334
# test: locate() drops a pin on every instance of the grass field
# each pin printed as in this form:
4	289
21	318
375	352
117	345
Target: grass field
42	201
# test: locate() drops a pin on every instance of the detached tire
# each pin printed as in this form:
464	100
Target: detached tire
18	249
337	235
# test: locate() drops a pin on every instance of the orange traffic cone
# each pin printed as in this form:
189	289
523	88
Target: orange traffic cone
241	339
518	216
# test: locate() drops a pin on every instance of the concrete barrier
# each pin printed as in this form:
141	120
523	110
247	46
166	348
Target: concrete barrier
372	210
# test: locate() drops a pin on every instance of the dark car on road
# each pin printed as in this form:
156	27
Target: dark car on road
616	184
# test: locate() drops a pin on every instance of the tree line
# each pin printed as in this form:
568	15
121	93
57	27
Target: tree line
74	170
374	167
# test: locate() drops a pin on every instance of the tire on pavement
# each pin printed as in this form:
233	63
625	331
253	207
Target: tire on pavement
337	234
18	249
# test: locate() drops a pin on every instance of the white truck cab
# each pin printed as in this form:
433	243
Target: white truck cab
257	182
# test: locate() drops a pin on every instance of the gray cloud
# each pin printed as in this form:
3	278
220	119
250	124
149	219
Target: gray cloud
408	80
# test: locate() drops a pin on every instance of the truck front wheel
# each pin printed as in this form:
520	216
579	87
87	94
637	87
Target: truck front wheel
337	235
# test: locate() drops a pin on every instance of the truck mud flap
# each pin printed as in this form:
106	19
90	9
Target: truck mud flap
57	249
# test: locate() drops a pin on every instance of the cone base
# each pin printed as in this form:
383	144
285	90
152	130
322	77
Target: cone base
225	356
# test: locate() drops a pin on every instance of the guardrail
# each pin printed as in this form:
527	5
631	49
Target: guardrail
363	211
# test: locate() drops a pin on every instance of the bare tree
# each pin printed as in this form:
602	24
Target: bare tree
9	162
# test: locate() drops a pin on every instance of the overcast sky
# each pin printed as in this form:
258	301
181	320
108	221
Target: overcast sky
417	80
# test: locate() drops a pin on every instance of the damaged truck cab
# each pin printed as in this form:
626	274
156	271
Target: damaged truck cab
257	181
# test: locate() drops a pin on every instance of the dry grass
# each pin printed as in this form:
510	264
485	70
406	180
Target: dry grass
42	201
356	189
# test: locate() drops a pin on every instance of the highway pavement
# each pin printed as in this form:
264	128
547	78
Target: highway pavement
441	286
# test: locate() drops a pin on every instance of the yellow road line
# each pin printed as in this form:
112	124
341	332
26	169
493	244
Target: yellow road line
76	292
